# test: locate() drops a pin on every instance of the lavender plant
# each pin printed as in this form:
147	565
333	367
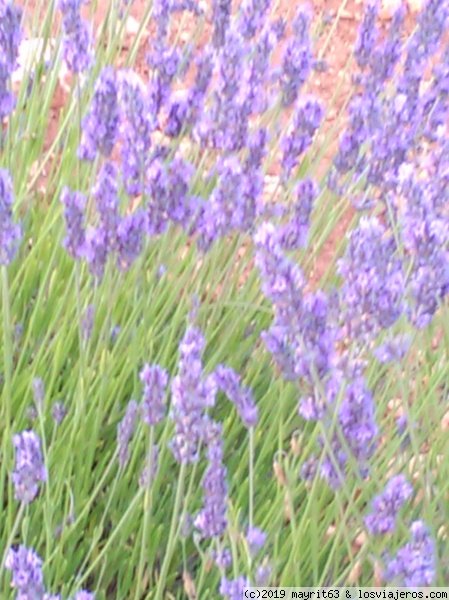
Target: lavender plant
293	432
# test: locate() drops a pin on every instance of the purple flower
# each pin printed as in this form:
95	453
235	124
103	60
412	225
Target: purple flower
263	574
414	564
95	251
155	380
27	577
306	120
167	186
74	215
432	22
7	98
37	385
87	323
256	539
161	10
115	332
222	558
424	232
10	38
166	62
30	470
221	16
186	108
77	37
257	149
10	233
402	424
138	122
387	54
125	430
102	240
233	589
362	118
84	595
393	350
385	506
228	381
282	279
58	412
224	125
374	282
227	207
259	78
356	417
100	126
367	34
107	203
212	519
294	234
297	60
10	34
252	16
149	471
130	234
302	336
161	15
347	413
192	394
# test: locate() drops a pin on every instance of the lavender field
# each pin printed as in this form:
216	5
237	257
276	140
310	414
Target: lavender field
185	410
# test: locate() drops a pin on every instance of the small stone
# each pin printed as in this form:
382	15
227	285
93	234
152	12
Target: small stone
415	5
388	8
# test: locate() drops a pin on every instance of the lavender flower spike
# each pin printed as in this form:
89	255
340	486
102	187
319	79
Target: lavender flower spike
100	126
77	37
374	280
27	576
367	35
228	381
75	240
256	539
212	519
107	203
386	506
30	470
221	16
138	121
84	595
155	380
297	60
10	234
149	471
306	120
234	589
58	412
10	37
125	430
130	238
414	564
192	394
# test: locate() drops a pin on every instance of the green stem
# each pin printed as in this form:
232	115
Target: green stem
111	539
80	402
251	476
171	537
7	349
147	506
